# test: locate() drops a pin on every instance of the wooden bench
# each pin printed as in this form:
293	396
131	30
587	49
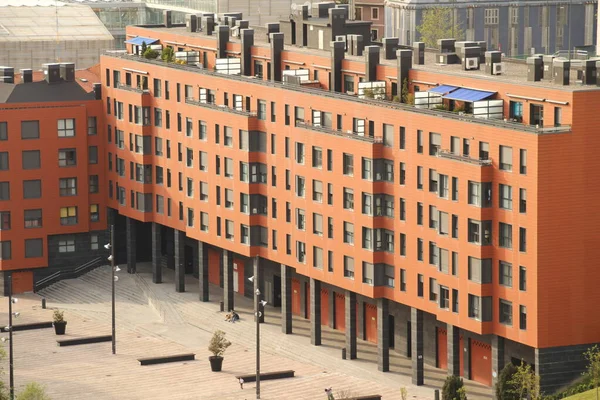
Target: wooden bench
370	397
266	376
84	340
30	326
167	359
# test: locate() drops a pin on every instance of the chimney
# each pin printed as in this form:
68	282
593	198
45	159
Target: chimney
276	49
337	20
371	63
191	22
51	72
167	18
483	46
7	74
589	72
404	58
97	91
67	72
337	57
209	21
222	39
389	48
491	58
26	75
247	43
418	53
272	27
562	71
548	65
358	45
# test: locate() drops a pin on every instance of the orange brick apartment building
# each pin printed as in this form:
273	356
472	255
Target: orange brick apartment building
457	241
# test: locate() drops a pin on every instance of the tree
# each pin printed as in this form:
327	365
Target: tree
406	96
592	355
144	47
438	23
451	389
526	382
505	390
168	54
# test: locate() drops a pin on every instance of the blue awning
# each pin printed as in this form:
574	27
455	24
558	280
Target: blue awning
139	40
468	95
443	89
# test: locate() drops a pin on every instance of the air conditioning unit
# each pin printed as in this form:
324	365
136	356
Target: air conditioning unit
471	63
497	69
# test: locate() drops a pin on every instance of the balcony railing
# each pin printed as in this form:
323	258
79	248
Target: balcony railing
217	107
329	131
133	89
342	96
457	157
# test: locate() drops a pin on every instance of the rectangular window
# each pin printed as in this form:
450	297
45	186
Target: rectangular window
229	230
93	154
388	135
522	279
317	157
419	249
505	272
523	201
433	289
32	189
435	143
348	267
505	197
301	252
480	232
66	127
420	141
348	199
419	177
402	173
329	227
4	220
300	187
4	191
402	280
348	164
204	222
420	285
317	257
330	194
444	298
300	219
67	157
402	244
30	160
68	215
523	240
522	317
30	129
299	153
318	191
318	224
348	233
3	130
505	235
368	273
419	213
454	300
66	245
68	186
95	211
506	312
329	160
523	161
454	226
92	127
480	271
506	155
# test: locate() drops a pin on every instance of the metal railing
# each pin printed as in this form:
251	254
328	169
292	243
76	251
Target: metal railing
67	274
448	154
330	131
132	88
343	96
217	107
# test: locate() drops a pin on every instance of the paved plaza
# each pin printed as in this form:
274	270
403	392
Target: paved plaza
155	320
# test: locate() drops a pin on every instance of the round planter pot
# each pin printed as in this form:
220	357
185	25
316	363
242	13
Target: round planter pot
216	363
60	327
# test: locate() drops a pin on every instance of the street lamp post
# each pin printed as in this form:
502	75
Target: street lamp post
257	313
113	279
9	328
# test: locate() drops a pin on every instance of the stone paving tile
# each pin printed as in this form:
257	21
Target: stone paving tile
155	320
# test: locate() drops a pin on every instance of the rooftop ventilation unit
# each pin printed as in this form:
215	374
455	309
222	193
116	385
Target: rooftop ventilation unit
471	63
51	72
497	69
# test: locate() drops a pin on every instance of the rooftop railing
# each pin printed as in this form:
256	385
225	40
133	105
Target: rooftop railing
457	157
343	96
213	106
132	88
330	131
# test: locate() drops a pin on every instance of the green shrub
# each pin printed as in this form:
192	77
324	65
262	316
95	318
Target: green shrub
450	391
33	391
168	54
504	389
150	54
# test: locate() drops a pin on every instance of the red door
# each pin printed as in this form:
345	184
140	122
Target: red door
442	348
462	356
238	265
296	300
214	267
340	312
324	307
22	282
481	362
371	323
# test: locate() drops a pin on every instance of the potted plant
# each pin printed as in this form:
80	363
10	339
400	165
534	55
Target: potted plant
60	325
218	345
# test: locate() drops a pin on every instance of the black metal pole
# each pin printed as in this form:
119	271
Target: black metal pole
257	308
10	340
112	281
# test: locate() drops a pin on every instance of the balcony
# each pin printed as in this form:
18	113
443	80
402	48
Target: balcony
457	157
218	107
329	131
133	89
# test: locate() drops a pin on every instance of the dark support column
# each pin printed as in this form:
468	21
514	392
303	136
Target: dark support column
383	335
258	285
315	312
179	242
156	253
350	316
453	350
203	271
466	358
228	280
361	319
497	358
286	299
131	245
416	318
331	301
